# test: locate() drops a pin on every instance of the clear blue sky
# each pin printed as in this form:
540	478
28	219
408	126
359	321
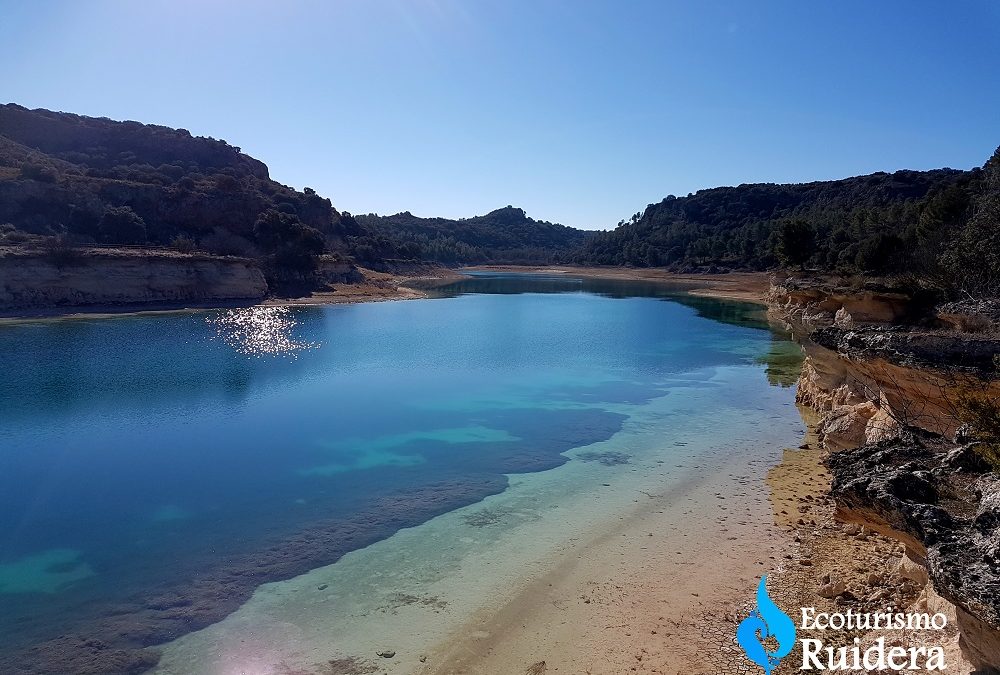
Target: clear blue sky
580	112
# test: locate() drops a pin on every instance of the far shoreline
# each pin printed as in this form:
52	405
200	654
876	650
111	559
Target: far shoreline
381	287
743	286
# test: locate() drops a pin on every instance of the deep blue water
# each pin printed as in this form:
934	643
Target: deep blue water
155	469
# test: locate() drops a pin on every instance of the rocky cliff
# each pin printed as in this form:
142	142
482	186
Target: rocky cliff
943	503
887	371
878	358
96	277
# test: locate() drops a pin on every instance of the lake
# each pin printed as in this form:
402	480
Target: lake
156	469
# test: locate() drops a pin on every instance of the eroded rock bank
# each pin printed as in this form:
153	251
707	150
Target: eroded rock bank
95	277
943	503
890	374
35	281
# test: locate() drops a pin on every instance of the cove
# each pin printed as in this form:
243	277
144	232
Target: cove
156	470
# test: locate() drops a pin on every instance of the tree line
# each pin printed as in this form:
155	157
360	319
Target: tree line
938	227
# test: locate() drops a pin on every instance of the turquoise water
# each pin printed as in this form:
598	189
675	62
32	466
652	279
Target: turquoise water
155	470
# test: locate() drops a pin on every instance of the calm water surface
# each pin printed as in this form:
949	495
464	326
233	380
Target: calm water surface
154	470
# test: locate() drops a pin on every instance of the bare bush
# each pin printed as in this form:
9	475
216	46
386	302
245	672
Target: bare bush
183	244
61	251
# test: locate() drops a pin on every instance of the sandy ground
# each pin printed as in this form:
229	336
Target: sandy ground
634	600
643	601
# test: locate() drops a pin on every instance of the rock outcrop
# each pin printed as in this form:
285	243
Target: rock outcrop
868	370
886	370
34	280
943	503
807	305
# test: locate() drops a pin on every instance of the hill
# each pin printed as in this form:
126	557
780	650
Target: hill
92	180
923	223
72	180
505	235
76	181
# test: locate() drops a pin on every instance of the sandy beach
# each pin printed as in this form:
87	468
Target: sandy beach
594	567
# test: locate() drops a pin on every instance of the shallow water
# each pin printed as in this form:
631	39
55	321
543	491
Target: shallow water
155	470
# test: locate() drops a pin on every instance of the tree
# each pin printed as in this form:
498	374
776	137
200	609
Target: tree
972	259
290	247
121	225
796	242
879	253
43	174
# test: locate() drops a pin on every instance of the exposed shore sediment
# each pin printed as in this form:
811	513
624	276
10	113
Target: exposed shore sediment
80	292
744	286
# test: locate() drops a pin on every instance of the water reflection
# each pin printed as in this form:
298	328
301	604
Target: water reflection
66	367
733	312
259	331
782	362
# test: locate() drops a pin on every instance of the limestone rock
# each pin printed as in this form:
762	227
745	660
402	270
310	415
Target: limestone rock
948	520
832	589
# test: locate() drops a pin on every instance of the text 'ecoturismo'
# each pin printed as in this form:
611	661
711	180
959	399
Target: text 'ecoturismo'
768	635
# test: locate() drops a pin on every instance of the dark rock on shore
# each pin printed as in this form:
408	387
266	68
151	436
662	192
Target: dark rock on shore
909	488
916	349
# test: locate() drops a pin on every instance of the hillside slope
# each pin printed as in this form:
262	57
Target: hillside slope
505	235
908	221
59	173
86	181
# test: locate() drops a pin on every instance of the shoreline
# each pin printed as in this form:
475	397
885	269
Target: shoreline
742	286
384	286
607	603
580	579
642	603
377	287
613	609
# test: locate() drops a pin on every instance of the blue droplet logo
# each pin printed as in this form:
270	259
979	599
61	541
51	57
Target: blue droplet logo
767	621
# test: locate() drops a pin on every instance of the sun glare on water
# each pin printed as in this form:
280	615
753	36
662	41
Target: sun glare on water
260	331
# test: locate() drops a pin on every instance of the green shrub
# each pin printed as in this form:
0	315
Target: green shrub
121	225
42	174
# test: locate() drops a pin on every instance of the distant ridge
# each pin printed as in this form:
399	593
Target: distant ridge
94	180
504	235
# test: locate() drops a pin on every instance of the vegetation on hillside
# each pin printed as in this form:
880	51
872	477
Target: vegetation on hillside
95	181
91	180
939	227
506	235
83	181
